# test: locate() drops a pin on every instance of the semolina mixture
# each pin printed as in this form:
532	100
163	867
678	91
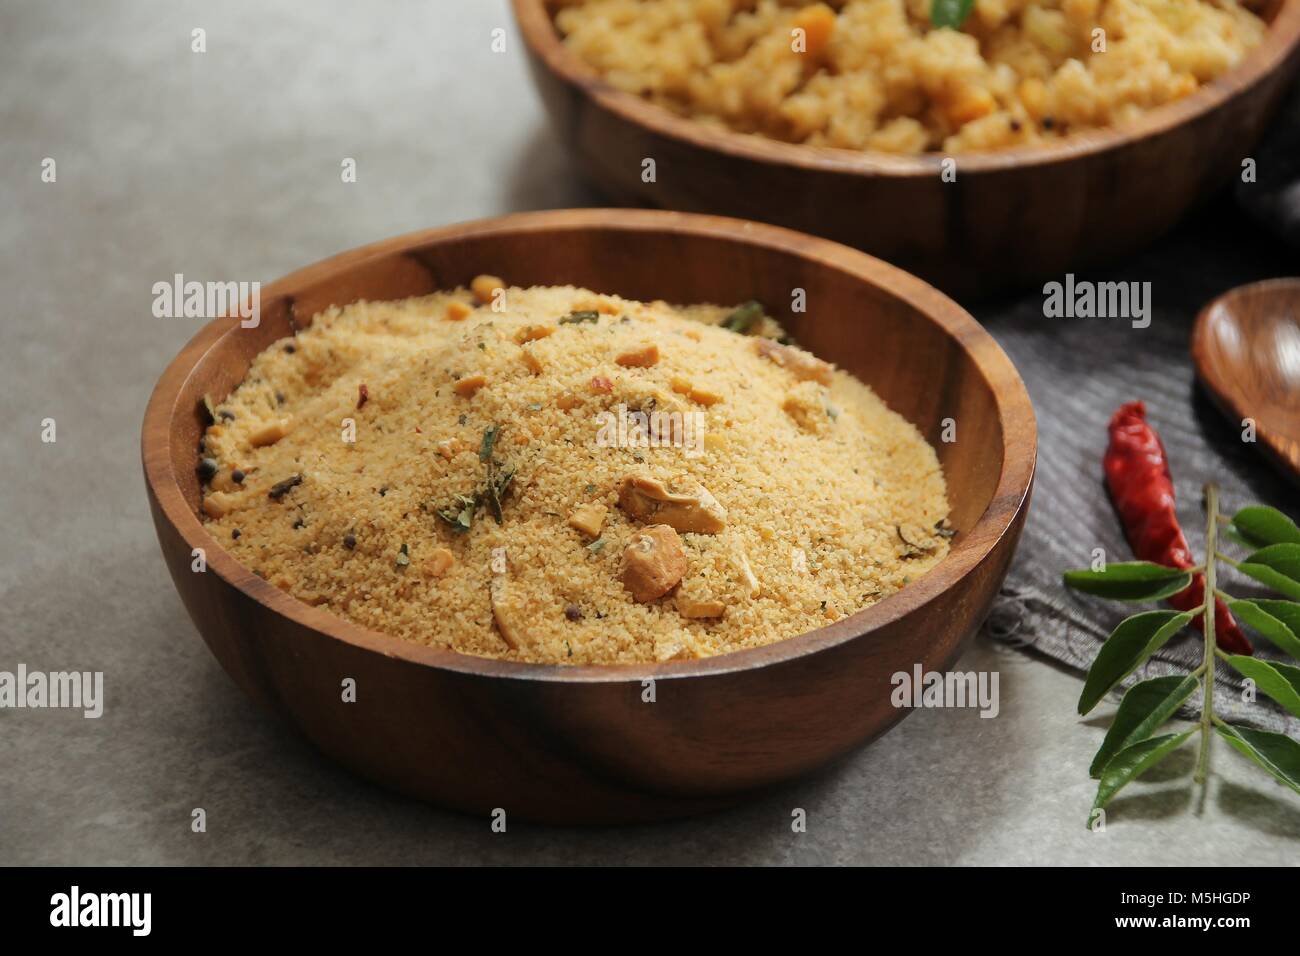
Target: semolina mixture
559	476
877	75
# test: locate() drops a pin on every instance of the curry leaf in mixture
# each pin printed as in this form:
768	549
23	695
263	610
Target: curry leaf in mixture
950	13
281	488
743	317
460	515
489	440
497	483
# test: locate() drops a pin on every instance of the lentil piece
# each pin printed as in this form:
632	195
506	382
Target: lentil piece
485	287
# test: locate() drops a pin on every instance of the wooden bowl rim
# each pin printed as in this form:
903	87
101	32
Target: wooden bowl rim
1019	434
1226	299
540	35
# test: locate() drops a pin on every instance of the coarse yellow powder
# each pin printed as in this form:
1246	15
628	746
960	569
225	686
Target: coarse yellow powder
555	475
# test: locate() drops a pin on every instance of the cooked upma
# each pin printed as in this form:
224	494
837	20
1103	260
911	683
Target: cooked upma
876	74
554	475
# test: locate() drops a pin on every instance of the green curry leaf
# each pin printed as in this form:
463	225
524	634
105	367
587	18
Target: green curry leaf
1131	581
1133	761
1276	753
1263	526
1144	708
1132	642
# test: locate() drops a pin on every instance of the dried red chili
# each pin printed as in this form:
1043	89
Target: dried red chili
1137	475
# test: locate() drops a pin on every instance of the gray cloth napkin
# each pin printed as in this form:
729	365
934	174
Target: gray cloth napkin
1078	371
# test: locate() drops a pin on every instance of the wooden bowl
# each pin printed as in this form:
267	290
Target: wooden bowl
579	744
1011	217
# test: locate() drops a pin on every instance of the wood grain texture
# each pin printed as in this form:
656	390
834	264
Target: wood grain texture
578	744
1012	217
1246	346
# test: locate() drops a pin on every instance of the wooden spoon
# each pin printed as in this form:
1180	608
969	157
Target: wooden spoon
1246	346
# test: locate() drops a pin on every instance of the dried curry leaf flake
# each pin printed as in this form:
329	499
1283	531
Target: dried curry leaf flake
581	315
489	441
497	484
460	515
281	488
913	549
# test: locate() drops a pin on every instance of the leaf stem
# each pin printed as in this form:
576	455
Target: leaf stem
1211	553
1225	559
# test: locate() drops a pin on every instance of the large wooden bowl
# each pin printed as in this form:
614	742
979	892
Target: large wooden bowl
1010	218
579	744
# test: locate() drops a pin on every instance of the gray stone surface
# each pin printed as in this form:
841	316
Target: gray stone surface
226	165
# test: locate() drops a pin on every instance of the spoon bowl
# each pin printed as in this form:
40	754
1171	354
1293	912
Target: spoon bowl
1246	347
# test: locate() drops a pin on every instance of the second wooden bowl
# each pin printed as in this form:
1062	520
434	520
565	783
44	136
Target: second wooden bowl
1011	217
584	744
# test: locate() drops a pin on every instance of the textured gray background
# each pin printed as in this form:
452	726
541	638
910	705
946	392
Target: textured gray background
226	165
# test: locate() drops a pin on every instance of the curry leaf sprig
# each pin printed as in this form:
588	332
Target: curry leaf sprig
1132	744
